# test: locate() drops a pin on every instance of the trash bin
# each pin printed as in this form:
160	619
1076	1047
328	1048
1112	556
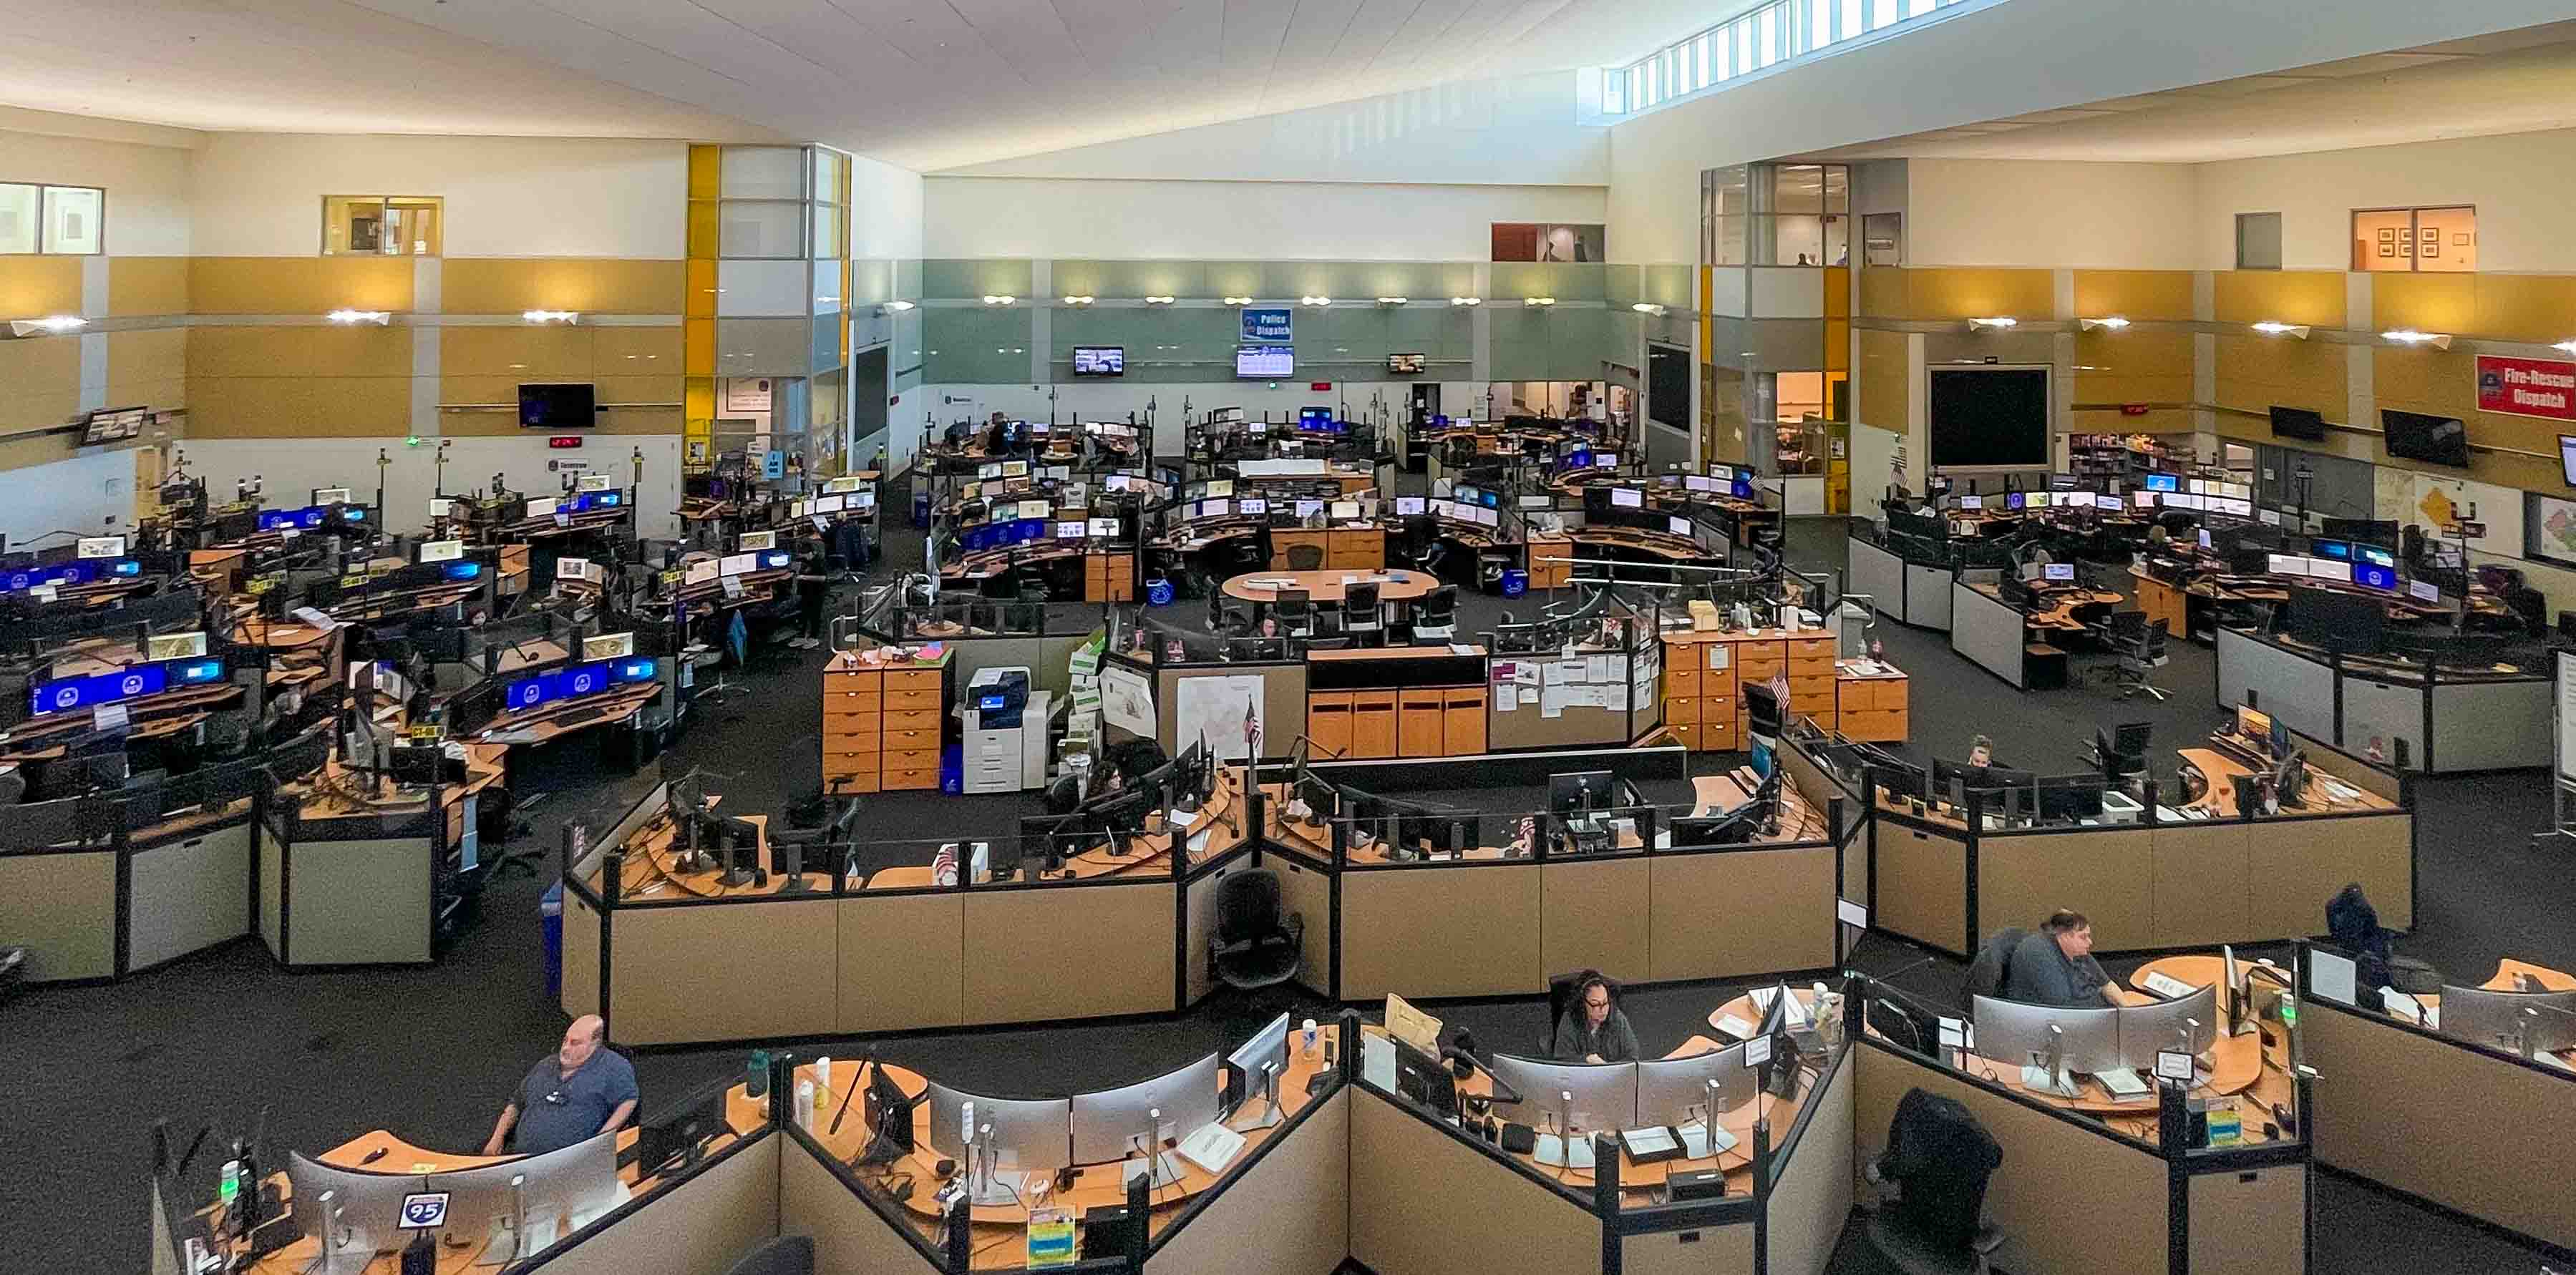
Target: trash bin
952	768
1158	591
550	914
1515	582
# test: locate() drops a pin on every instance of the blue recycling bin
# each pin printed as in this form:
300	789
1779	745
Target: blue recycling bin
1158	591
550	914
1515	582
952	768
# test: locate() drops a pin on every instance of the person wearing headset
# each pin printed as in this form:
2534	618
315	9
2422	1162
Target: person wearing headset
1594	1030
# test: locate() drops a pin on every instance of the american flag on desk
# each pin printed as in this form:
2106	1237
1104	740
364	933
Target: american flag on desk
943	865
1251	728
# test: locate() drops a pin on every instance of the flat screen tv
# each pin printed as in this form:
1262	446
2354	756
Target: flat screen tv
1100	360
2297	422
1405	364
1265	362
1668	374
1989	417
2439	440
2567	457
557	407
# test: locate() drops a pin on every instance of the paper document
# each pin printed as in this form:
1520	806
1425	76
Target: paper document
1212	1148
2168	987
1695	1141
1733	1026
1552	1149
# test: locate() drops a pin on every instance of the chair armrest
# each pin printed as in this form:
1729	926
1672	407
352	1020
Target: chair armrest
1295	924
1988	1238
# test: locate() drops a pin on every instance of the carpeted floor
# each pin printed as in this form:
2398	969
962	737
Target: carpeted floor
430	1053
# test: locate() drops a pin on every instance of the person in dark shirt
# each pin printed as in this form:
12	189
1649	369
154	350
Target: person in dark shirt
813	583
2055	966
1594	1030
583	1091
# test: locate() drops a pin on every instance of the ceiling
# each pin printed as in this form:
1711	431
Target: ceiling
925	84
2513	82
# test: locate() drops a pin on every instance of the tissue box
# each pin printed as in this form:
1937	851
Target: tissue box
2119	807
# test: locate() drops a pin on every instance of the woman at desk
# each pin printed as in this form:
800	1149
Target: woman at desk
1595	1031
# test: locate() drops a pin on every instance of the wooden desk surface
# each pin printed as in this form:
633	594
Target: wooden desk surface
2222	769
1150	852
652	868
1429	651
1695	637
545	723
482	770
1663	544
2058	609
2503	981
1326	586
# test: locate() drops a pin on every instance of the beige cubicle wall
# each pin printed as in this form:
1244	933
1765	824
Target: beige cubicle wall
1068	952
187	892
1288	1214
1739	911
1199	900
61	906
1306	889
1283	703
2021	878
1918	882
849	1238
900	962
1588	912
1813	780
1434	931
356	902
2068	1198
1811	1194
2435	1118
579	992
703	1224
1710	1250
693	972
1423	1203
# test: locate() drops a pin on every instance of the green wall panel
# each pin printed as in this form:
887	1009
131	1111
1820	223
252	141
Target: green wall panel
976	345
968	279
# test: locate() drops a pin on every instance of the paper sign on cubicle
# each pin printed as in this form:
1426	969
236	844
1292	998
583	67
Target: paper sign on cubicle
2173	1064
1851	914
1757	1051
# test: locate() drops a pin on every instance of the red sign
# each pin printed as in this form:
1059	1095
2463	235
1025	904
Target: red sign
1319	386
561	441
2133	409
2545	388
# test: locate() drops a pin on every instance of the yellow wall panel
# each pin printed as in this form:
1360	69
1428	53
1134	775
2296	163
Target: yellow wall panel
635	351
2429	302
298	406
32	287
2442	383
1883	292
700	301
519	353
298	285
2535	308
2312	297
588	285
2255	372
147	285
2133	353
39	382
1974	293
149	368
2133	294
706	172
698	350
702	228
2159	421
1883	386
1838	292
317	351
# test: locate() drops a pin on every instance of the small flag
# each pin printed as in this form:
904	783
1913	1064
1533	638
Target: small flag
943	865
1251	728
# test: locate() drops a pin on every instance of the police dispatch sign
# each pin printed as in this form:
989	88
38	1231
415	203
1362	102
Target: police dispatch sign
2545	388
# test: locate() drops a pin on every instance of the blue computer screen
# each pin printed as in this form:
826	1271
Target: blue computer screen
300	519
124	684
2375	576
575	681
2339	550
2015	500
2164	482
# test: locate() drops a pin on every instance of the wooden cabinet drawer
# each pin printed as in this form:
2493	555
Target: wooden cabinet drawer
1681	710
853	723
907	740
924	679
865	683
1679	680
1686	732
1811	648
1821	666
1759	670
911	780
1462	732
911	759
918	719
868	701
843	785
1808	693
1718	735
912	701
1876	724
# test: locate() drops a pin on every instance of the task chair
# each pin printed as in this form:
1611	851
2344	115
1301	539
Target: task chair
2141	650
1939	1159
1991	967
1295	611
1305	557
1362	616
1562	992
1256	944
1436	615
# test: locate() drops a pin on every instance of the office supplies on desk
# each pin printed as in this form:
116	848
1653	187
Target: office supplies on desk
2168	987
1212	1148
2122	1082
1650	1145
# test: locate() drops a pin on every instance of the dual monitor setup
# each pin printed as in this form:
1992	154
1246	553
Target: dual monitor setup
510	1210
2016	798
2110	1044
1117	814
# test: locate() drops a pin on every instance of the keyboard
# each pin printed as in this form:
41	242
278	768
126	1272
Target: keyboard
580	717
1212	1148
2123	1082
2168	987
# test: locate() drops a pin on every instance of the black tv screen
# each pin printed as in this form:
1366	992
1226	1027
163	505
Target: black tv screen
2297	422
1668	386
557	407
1989	417
1100	360
2440	440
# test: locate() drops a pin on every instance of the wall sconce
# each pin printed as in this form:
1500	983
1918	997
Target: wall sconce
1238	300
993	300
1393	300
2269	328
1314	300
378	317
1077	300
1466	301
1649	307
551	316
1538	301
2114	323
51	325
2569	346
894	307
2409	336
1998	323
1157	300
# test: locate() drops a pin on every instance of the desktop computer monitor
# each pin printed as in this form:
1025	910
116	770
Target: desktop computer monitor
1029	1135
1669	1088
1425	1079
2543	1022
1578	792
1109	1125
2147	1029
2349	623
365	1203
675	1131
1266	1050
1734	828
2072	798
2013	1033
2132	738
576	1184
1604	1094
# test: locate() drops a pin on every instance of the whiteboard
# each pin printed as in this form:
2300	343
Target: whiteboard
1127	699
1214	707
2564	714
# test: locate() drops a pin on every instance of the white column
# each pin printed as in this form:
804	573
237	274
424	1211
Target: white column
426	283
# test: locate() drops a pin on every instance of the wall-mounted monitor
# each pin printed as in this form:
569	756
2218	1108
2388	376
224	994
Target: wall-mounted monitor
2439	440
1100	360
2299	423
559	406
1989	417
1265	362
2567	457
1406	364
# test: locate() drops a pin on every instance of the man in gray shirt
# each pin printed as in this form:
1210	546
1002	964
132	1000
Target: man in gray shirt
2055	966
582	1091
1593	1030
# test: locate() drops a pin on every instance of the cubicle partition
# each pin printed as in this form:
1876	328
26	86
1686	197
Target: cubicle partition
1910	576
1989	633
2430	718
2160	883
2466	1127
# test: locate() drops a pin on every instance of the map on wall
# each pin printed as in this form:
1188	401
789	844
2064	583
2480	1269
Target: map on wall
2553	528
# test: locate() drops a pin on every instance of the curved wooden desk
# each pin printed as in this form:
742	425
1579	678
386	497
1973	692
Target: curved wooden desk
1326	586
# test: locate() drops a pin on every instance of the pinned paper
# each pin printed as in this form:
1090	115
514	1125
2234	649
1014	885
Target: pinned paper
1717	653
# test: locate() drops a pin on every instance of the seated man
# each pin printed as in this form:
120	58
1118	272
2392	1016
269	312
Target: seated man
583	1091
2055	966
1594	1030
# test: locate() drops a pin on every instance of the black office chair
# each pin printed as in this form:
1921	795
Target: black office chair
1458	453
1223	619
1256	945
1362	616
1992	966
1295	611
1305	557
1436	615
1031	580
786	1255
984	616
1939	1159
1562	990
2141	650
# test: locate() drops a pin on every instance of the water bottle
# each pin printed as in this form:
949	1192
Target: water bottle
756	1075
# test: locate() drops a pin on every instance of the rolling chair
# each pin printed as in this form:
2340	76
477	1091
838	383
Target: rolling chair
1562	989
1992	965
1256	944
2141	652
1295	611
1222	620
1436	615
984	616
1939	1159
1362	617
1305	557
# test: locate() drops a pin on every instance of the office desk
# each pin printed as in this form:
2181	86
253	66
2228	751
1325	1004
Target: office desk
1662	545
2015	644
1800	819
339	794
2503	981
150	717
1217	830
1345	548
546	723
1324	588
2222	770
652	862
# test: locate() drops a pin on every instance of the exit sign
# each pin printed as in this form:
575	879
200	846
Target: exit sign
562	441
1319	387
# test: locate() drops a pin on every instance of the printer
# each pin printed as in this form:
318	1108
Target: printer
996	698
1005	732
